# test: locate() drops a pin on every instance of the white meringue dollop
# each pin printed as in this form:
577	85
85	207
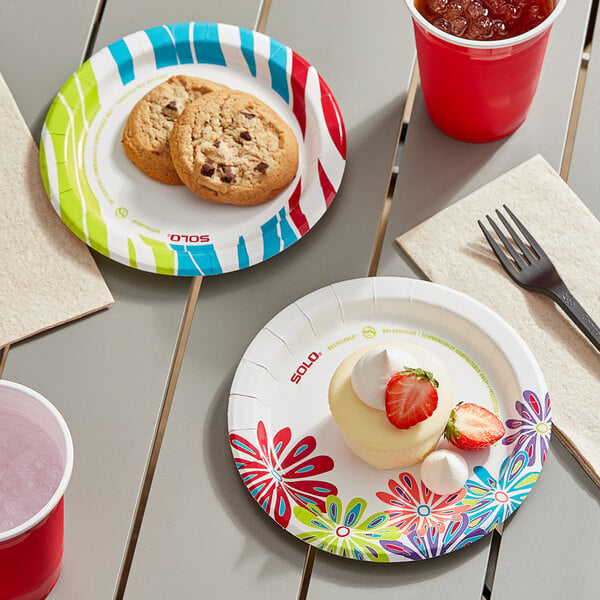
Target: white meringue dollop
444	472
374	369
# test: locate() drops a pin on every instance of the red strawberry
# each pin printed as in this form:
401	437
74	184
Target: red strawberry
471	427
410	397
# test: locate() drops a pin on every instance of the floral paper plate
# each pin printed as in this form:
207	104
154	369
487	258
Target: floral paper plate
147	225
291	455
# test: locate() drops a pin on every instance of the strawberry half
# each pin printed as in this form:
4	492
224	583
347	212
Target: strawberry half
472	427
410	397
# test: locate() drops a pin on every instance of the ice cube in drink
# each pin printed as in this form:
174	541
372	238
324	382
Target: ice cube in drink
485	19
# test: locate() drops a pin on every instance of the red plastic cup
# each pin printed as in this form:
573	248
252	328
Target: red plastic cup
479	91
31	552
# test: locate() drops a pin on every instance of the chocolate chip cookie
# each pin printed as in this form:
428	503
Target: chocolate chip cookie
230	147
148	128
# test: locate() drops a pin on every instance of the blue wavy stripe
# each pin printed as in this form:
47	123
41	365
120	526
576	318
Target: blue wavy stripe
122	56
247	44
185	264
197	260
271	239
287	233
171	45
207	45
243	258
206	258
277	66
183	44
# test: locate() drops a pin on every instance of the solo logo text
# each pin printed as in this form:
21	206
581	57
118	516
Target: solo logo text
189	239
305	366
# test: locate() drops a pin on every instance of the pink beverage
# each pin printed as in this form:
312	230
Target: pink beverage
36	462
31	468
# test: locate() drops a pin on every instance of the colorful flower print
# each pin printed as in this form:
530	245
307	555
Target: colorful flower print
493	500
532	433
456	535
416	508
343	533
279	477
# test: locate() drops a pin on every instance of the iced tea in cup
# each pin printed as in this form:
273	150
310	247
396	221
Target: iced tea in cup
36	460
480	90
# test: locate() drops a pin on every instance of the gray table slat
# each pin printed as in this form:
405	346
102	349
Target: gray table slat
122	18
40	49
436	171
214	539
584	176
549	549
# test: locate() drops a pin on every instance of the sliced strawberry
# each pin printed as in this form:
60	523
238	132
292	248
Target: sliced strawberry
471	427
410	397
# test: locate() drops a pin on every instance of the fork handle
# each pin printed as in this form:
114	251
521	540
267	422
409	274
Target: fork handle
563	297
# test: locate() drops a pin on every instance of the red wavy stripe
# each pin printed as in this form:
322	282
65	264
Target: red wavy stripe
296	213
298	81
328	189
333	118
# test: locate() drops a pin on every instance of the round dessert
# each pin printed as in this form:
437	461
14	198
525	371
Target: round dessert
364	424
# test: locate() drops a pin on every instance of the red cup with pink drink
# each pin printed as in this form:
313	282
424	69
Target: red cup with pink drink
36	461
480	62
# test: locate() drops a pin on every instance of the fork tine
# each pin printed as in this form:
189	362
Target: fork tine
509	247
532	241
508	266
529	256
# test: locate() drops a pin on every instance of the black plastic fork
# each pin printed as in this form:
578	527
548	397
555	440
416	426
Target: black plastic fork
531	268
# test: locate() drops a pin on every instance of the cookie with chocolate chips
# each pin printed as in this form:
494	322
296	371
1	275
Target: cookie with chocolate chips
148	127
230	147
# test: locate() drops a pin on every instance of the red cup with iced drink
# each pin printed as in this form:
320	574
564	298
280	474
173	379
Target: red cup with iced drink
36	461
480	62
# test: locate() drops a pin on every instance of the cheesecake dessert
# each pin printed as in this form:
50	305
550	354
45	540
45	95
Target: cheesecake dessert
392	403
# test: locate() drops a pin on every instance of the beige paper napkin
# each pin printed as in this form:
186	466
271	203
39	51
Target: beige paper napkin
47	275
450	249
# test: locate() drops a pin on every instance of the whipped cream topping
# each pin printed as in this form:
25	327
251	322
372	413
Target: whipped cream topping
444	472
373	370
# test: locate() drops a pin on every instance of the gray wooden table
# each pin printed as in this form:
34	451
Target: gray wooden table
156	508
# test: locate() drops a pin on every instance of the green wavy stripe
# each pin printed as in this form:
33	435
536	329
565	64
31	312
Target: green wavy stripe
89	86
58	124
72	180
164	257
86	105
132	254
44	168
68	118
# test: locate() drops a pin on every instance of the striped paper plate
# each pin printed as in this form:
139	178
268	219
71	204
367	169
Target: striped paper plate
165	229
